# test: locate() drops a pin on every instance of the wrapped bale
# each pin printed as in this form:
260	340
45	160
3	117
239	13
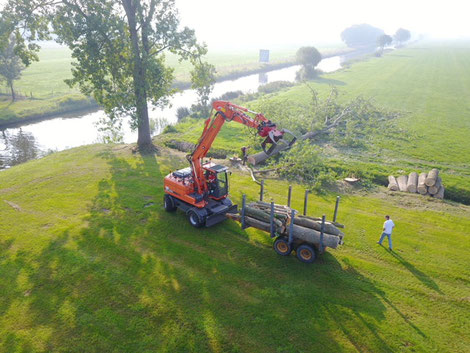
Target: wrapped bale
431	178
412	184
422	187
402	180
392	183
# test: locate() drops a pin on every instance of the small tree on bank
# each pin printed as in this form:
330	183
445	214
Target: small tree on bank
382	41
10	65
309	58
118	49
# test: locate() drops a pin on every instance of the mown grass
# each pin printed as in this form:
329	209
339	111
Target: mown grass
427	82
91	262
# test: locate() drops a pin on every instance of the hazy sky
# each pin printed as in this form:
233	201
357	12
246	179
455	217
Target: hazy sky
265	23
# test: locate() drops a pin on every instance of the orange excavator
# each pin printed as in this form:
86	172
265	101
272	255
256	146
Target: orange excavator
201	190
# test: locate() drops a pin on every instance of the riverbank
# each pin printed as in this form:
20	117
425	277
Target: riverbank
28	109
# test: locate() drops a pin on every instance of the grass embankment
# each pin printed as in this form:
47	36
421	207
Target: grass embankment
91	262
43	92
429	84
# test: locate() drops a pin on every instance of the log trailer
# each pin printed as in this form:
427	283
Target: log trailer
201	190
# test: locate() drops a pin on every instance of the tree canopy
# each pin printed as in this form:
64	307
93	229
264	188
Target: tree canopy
402	35
362	35
118	46
308	57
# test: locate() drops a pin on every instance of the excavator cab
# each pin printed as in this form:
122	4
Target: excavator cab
217	180
279	140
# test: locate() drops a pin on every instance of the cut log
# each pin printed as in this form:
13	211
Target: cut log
431	179
258	158
434	189
336	224
256	223
392	183
440	193
312	236
262	216
412	183
402	180
422	187
316	225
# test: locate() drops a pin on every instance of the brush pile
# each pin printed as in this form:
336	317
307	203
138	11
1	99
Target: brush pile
425	183
305	228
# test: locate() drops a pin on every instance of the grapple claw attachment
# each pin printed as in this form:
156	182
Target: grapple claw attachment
278	142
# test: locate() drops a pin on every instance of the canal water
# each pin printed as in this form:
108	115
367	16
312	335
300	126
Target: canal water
37	139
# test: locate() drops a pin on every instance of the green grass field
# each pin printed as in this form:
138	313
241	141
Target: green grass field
90	262
429	83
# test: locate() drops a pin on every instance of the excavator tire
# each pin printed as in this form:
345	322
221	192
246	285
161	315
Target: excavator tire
194	219
169	203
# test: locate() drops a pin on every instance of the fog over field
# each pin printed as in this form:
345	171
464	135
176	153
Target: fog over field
247	23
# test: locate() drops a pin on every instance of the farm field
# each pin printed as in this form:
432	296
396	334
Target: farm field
428	83
90	261
44	80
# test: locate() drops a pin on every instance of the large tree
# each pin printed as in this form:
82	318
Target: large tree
10	65
308	57
118	47
402	35
359	36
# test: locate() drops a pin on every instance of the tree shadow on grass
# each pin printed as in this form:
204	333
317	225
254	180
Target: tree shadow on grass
329	81
137	279
421	276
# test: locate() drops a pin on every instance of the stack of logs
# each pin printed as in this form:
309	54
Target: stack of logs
424	183
308	229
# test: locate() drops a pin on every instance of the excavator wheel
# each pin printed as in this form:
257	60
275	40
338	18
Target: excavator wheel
282	247
169	203
194	219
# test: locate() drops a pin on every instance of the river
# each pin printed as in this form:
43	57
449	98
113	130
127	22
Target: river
37	139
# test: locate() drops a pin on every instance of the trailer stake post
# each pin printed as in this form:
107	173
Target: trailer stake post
321	232
289	196
336	208
271	220
243	211
261	192
305	202
291	228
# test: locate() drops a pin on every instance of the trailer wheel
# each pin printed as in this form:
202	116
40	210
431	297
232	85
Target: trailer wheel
282	247
195	220
305	253
169	203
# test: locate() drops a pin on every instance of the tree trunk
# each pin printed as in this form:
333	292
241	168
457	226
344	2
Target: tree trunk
144	140
262	216
316	225
402	180
432	177
435	188
13	95
412	184
312	236
422	188
392	183
440	193
260	157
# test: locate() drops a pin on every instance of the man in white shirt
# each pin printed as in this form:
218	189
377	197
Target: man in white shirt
388	227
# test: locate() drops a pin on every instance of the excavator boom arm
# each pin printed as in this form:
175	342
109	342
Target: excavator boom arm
226	111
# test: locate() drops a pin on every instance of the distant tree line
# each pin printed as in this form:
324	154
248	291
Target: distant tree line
367	36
